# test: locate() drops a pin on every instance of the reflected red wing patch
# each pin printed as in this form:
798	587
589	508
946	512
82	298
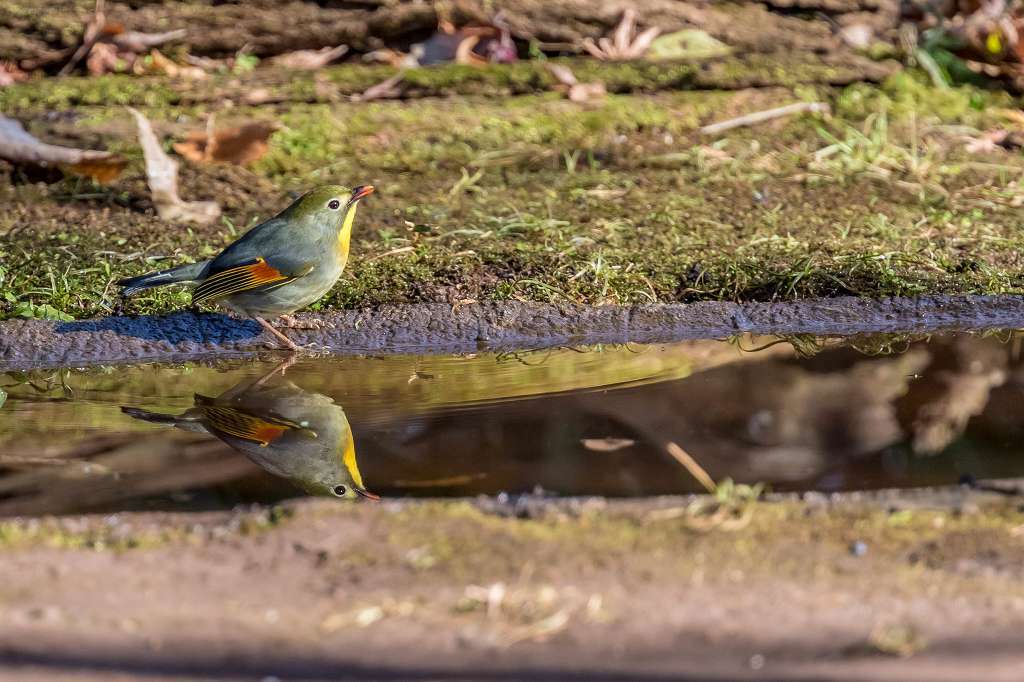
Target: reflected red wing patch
232	422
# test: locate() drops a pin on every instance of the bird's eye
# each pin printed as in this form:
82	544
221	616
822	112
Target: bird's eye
334	204
340	490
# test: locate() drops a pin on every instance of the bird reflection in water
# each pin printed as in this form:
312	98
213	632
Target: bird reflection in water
302	436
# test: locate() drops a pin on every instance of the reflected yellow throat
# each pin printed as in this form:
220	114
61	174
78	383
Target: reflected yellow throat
345	235
348	458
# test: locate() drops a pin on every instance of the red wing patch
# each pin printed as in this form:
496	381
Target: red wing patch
260	430
252	275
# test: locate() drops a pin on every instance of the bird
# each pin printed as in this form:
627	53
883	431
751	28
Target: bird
276	268
293	433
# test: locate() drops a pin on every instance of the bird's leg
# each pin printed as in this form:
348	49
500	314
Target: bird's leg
280	369
281	337
291	322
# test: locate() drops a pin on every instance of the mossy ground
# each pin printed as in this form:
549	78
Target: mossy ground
530	196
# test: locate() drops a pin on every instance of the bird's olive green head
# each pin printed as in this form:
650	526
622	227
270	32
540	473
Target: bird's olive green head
340	489
330	206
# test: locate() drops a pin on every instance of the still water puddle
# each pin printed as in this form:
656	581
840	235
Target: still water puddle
798	414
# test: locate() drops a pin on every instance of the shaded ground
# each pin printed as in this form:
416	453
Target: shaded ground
267	28
509	325
600	590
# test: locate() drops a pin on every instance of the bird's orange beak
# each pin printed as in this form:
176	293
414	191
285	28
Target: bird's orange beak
360	192
361	491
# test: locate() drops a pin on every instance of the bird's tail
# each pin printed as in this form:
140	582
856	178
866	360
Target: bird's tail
153	417
182	273
187	421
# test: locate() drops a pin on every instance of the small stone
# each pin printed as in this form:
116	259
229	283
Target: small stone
858	548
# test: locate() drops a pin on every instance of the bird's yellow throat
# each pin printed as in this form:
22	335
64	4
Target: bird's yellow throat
345	235
348	458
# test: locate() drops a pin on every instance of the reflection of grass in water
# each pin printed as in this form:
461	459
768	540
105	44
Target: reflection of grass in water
809	345
398	382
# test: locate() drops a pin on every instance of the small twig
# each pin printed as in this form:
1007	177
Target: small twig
390	88
393	252
696	470
92	33
767	115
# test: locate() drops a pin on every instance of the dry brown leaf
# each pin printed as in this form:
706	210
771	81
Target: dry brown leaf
260	96
988	142
138	42
104	58
19	147
399	60
93	31
464	52
581	92
160	63
574	90
103	171
625	42
11	74
309	60
241	145
162	177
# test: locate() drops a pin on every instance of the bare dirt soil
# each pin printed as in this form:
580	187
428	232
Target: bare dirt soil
893	586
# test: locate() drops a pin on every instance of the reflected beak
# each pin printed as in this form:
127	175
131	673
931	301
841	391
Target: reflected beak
360	491
360	192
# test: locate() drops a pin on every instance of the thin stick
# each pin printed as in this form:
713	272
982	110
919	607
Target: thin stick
684	458
767	115
92	32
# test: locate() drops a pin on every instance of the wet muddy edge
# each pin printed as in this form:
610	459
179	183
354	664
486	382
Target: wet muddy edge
440	328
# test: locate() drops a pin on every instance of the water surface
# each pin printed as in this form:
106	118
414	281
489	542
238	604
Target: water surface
797	414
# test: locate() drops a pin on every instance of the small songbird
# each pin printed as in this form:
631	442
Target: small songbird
280	266
293	433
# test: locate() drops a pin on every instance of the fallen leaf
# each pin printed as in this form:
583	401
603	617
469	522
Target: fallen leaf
607	444
581	92
104	58
138	42
625	43
574	90
103	171
18	147
689	43
93	31
240	145
857	36
464	52
472	45
160	63
399	60
11	74
162	176
989	141
309	60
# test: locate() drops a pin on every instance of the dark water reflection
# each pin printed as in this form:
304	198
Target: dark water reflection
598	421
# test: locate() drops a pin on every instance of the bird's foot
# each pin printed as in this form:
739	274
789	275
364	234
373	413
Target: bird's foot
292	322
